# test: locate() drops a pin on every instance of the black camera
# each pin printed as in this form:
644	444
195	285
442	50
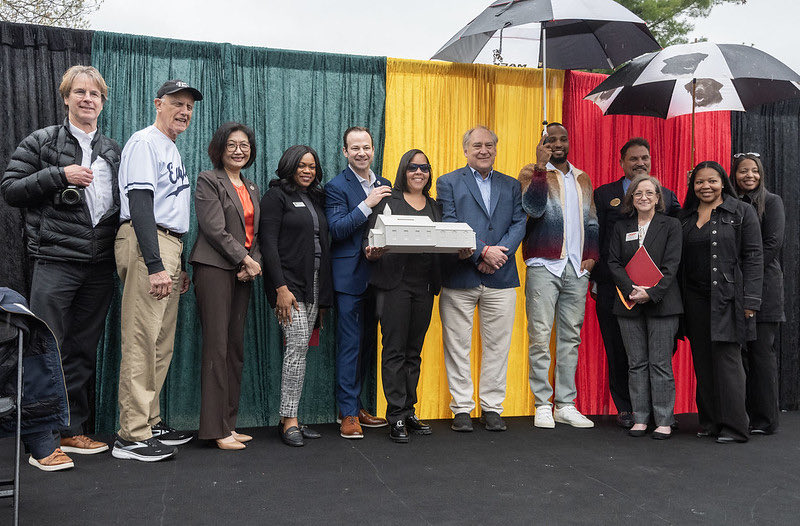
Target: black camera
70	196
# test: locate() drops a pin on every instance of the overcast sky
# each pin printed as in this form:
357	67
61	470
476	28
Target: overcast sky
413	29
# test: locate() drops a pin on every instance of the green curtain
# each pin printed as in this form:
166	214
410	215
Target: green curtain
288	98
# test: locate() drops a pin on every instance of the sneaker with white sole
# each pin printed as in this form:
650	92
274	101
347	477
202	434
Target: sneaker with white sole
169	436
569	415
544	417
55	461
150	450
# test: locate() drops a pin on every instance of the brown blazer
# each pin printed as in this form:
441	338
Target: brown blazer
220	218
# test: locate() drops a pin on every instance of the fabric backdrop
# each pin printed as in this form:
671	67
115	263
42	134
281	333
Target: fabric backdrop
429	105
288	98
32	61
595	141
773	130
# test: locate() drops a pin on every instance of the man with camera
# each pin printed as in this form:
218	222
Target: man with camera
65	179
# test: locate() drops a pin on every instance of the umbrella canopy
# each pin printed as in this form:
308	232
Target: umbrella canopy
580	33
699	77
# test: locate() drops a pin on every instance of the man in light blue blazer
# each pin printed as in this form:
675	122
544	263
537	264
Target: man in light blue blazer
349	199
491	203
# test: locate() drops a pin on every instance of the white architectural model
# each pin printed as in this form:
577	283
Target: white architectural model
419	234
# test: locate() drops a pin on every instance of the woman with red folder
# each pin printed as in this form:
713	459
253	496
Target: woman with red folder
644	256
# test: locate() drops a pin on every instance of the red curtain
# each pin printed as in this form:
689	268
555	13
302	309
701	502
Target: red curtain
595	141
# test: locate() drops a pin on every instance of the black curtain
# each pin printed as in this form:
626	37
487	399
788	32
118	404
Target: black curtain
32	62
773	130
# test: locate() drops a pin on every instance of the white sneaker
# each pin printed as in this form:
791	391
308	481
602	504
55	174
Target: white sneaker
544	417
569	415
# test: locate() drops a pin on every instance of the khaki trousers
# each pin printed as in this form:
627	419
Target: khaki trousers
496	309
148	332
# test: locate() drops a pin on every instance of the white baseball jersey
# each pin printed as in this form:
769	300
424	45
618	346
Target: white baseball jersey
151	161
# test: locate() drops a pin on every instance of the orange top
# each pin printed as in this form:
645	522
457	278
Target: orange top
247	205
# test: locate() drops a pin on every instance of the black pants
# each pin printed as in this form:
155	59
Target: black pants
761	365
616	356
719	371
73	299
405	314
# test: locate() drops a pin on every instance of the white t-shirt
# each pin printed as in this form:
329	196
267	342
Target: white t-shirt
151	161
99	194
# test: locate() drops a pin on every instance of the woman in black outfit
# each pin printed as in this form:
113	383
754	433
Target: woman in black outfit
722	270
406	284
297	271
648	327
761	359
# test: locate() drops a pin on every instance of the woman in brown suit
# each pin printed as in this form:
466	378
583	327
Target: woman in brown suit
226	259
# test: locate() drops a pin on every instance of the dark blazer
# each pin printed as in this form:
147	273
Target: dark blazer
737	268
663	242
503	224
220	218
387	271
773	224
347	224
287	245
608	200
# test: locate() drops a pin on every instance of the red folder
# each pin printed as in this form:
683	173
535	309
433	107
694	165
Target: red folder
642	271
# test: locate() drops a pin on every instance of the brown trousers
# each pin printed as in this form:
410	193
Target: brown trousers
148	332
222	302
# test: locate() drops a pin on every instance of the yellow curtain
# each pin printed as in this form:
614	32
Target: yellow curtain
429	105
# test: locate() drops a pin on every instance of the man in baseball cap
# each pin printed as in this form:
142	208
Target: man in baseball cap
154	216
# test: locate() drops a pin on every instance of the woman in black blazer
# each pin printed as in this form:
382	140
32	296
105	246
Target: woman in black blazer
297	271
648	328
761	359
721	278
225	261
406	285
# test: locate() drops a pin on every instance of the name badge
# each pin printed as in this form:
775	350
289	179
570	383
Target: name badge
299	204
632	236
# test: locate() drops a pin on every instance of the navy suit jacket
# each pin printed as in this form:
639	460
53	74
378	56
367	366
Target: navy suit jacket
503	224
346	224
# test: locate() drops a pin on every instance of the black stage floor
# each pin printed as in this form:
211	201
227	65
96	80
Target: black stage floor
523	476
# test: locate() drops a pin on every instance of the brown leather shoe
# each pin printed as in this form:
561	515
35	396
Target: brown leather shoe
55	461
367	420
351	428
241	437
82	445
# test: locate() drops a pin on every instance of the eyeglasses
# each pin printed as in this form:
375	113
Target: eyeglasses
646	193
231	146
754	154
424	168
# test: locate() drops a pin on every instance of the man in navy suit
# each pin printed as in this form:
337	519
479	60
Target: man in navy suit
491	203
349	199
634	160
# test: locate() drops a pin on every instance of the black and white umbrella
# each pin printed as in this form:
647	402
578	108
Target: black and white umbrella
573	33
692	78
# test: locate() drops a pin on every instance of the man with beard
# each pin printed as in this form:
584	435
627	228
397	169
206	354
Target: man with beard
634	161
560	249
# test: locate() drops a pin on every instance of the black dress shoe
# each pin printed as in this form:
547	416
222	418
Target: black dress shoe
398	432
417	426
625	419
307	432
724	439
492	421
461	423
637	432
661	436
291	437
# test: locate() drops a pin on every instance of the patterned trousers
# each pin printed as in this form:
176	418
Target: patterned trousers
296	335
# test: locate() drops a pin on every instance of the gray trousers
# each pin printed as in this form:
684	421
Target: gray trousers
548	297
296	336
649	342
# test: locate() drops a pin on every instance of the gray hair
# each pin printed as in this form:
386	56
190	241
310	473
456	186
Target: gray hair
469	133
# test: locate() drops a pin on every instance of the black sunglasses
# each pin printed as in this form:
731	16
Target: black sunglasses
424	168
754	154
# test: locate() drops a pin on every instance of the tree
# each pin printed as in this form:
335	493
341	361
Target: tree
670	20
62	13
